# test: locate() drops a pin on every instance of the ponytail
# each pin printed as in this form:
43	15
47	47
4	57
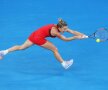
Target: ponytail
61	23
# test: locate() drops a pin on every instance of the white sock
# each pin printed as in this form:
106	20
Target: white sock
63	63
5	52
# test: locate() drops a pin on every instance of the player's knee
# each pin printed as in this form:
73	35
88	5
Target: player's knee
21	48
55	50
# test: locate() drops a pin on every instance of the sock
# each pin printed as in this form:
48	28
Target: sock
5	52
63	63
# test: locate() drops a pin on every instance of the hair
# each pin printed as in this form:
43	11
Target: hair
61	23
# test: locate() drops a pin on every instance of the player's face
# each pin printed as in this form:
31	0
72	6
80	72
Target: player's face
63	29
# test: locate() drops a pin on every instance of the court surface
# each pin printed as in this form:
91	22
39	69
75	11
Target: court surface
36	68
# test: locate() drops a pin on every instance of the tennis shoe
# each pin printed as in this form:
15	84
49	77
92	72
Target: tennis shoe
1	54
67	64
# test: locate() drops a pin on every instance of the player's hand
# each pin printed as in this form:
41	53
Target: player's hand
80	37
84	36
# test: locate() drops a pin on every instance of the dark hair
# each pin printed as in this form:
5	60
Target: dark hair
61	23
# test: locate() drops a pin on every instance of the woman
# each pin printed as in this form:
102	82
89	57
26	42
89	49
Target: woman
38	37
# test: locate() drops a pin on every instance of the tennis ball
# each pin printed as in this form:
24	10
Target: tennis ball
98	40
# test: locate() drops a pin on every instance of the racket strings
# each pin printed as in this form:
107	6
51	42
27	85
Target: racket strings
102	34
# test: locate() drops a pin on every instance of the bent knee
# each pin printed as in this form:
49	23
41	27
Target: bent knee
21	48
55	50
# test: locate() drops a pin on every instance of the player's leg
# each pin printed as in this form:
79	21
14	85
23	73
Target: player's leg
27	44
50	46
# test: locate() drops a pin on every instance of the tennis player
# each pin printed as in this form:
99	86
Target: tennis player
39	36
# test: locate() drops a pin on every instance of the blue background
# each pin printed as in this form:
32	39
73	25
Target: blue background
36	68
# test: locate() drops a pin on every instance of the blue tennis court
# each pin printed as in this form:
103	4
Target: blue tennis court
36	68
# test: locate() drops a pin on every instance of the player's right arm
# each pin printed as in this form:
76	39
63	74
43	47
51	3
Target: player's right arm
67	38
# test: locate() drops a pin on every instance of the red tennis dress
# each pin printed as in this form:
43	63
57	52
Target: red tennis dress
38	36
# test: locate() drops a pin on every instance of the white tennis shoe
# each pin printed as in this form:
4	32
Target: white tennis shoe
1	54
67	64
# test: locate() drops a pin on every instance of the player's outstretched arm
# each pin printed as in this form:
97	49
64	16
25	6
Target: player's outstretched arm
75	32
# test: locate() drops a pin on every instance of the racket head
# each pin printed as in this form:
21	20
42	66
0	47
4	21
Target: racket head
101	33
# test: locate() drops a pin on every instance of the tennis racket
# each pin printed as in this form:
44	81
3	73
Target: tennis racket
101	34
